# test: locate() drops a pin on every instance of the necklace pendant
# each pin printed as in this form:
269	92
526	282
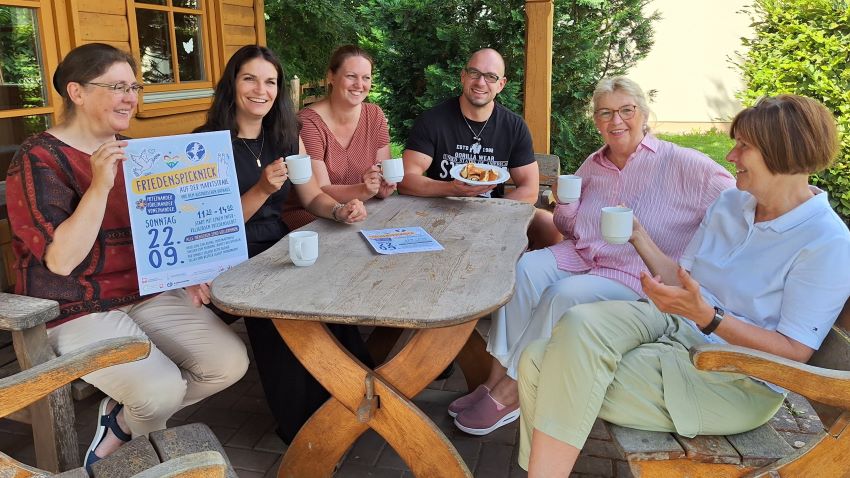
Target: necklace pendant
258	164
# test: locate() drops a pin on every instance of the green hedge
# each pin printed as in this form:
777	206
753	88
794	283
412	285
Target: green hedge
803	47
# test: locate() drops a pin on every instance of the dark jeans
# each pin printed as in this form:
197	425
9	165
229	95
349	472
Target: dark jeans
292	393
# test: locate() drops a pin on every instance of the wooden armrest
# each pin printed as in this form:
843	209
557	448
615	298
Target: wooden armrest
25	387
204	464
831	387
19	312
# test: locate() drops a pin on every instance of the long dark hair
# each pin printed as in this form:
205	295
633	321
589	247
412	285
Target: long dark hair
280	123
83	64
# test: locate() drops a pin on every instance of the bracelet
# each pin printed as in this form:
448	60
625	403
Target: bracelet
336	208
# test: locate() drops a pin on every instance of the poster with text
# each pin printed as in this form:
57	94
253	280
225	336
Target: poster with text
185	210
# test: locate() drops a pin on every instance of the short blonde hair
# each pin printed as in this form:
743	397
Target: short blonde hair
621	83
794	134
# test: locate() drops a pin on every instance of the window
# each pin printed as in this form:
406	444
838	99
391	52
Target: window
25	103
174	57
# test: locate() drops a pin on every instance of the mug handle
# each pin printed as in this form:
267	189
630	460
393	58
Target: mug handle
299	254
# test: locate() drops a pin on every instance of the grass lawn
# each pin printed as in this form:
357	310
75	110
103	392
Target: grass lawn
714	144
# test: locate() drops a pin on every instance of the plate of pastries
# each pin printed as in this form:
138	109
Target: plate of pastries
479	174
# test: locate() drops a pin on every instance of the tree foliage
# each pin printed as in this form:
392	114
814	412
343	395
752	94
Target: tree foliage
803	47
19	62
421	46
304	34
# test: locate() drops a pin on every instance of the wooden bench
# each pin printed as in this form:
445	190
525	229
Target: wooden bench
185	451
549	166
794	444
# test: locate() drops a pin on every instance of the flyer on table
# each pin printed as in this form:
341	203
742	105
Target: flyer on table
185	211
401	240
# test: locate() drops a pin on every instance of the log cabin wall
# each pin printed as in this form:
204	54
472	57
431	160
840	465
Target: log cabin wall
227	25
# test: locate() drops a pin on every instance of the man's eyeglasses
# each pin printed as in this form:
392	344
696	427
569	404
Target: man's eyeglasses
119	88
475	75
605	114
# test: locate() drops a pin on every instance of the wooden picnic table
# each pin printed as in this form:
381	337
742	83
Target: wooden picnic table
441	294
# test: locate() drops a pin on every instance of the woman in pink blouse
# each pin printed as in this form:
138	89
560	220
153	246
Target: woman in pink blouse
346	137
667	186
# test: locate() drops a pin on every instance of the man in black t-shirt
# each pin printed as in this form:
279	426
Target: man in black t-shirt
471	128
474	128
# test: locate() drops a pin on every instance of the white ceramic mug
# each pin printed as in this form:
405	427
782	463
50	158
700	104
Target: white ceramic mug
569	188
616	224
299	168
303	247
392	170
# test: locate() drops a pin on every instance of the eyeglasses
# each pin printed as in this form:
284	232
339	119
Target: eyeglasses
119	88
625	112
475	75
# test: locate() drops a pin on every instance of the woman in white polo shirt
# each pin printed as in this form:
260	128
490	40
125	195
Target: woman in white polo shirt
769	269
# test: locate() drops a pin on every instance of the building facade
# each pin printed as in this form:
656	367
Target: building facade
181	47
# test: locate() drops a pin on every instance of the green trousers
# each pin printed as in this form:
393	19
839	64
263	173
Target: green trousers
628	363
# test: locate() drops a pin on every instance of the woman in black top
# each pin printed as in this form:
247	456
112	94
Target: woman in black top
251	102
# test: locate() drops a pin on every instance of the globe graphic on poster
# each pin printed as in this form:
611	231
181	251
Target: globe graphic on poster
195	152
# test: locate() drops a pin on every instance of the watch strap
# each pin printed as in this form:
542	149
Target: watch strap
712	326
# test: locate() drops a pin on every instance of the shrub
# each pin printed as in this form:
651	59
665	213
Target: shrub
803	47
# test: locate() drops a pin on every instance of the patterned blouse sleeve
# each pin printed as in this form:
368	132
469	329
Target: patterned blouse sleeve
39	198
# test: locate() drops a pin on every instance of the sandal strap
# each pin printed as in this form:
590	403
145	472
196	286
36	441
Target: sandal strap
110	421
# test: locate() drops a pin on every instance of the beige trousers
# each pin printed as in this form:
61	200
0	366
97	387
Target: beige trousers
628	363
193	355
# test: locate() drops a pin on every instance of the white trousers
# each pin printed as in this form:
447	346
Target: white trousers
193	355
541	296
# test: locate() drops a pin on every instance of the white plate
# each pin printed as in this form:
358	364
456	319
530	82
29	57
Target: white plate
503	174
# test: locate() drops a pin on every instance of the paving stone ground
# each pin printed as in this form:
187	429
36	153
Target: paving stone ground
242	421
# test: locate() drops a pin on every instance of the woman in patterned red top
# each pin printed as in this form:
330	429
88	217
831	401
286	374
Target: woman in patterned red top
346	137
71	226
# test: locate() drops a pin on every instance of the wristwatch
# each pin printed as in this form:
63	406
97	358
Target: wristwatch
712	326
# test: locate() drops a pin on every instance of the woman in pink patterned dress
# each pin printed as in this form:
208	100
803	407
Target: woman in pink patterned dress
346	137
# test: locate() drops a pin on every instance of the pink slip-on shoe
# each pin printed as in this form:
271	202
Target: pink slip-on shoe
486	416
467	400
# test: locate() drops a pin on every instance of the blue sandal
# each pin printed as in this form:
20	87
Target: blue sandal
106	421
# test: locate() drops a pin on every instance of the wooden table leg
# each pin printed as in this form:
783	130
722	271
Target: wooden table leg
323	440
475	361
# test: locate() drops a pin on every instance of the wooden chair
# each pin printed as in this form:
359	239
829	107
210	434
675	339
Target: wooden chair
23	344
28	386
550	168
51	417
761	452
